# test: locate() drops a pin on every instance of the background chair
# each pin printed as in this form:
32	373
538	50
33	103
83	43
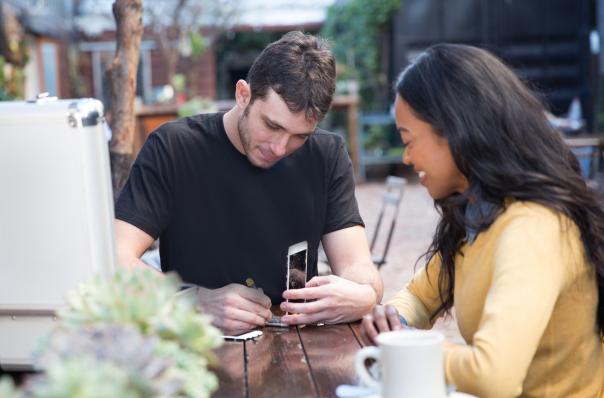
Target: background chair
391	200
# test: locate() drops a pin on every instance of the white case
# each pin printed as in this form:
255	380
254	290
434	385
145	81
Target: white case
56	214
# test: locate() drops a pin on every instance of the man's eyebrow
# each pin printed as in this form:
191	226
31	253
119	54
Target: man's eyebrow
402	129
267	120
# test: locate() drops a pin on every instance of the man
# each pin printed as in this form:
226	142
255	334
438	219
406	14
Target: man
229	193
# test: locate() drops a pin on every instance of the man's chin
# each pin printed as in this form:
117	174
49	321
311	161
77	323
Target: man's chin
261	163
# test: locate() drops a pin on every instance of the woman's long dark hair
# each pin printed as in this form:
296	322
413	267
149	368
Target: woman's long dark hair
502	142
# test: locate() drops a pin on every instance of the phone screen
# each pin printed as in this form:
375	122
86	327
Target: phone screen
297	271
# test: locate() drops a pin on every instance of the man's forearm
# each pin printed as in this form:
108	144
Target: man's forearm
366	274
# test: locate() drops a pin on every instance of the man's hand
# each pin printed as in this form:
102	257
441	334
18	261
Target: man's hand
235	308
335	300
381	319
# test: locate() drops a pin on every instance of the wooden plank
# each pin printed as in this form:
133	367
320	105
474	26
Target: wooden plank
330	350
351	104
356	330
277	367
230	370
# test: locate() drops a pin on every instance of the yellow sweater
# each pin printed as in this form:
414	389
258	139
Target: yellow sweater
525	303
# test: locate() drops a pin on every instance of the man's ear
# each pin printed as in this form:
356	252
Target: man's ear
243	94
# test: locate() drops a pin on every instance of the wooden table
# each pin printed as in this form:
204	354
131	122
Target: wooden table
308	361
293	362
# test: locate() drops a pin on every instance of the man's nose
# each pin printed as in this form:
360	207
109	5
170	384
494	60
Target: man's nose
279	145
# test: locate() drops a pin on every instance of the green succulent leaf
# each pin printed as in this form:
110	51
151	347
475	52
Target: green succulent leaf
7	388
132	334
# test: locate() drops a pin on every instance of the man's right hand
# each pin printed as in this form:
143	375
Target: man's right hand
235	308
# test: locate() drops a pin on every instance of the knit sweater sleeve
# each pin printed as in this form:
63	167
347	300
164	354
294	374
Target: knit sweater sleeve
420	298
528	276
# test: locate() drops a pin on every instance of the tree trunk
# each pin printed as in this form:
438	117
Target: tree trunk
122	75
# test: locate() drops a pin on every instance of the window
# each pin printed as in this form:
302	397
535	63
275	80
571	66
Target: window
49	68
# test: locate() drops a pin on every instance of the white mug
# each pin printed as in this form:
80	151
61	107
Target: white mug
410	362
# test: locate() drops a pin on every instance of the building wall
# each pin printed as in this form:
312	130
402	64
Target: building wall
201	74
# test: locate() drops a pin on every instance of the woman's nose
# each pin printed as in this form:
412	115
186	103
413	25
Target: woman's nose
406	157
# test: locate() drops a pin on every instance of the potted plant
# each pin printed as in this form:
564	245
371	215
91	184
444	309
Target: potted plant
130	335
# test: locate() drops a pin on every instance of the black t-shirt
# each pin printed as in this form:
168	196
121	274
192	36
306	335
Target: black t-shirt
220	219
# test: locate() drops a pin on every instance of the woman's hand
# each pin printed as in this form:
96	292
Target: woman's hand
380	319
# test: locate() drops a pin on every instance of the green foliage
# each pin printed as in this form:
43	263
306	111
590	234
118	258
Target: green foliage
376	136
5	84
87	377
195	106
2	77
179	82
357	28
395	151
147	300
241	42
7	389
198	44
130	335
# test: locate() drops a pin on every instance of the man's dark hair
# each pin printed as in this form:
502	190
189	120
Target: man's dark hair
301	69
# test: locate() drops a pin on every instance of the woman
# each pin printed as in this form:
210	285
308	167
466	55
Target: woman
519	248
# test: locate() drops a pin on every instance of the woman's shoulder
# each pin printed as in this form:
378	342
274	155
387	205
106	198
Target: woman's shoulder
529	211
528	217
531	227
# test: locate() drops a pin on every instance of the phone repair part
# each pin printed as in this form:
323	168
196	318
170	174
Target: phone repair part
244	337
275	321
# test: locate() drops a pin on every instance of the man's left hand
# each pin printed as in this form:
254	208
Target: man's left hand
330	299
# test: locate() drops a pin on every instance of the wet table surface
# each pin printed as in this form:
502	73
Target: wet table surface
309	361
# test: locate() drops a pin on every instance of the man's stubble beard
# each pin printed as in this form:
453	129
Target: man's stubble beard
245	139
244	135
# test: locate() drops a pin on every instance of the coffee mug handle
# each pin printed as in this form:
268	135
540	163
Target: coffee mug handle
359	364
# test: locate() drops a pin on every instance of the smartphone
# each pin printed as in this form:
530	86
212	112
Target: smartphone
295	276
296	266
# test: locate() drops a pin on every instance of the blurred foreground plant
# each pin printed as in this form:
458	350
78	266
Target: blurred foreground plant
131	335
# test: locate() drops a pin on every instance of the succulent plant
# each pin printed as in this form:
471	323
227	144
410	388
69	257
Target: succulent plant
148	300
7	389
129	335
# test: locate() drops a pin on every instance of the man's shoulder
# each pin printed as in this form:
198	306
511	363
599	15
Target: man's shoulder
187	128
326	142
326	137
